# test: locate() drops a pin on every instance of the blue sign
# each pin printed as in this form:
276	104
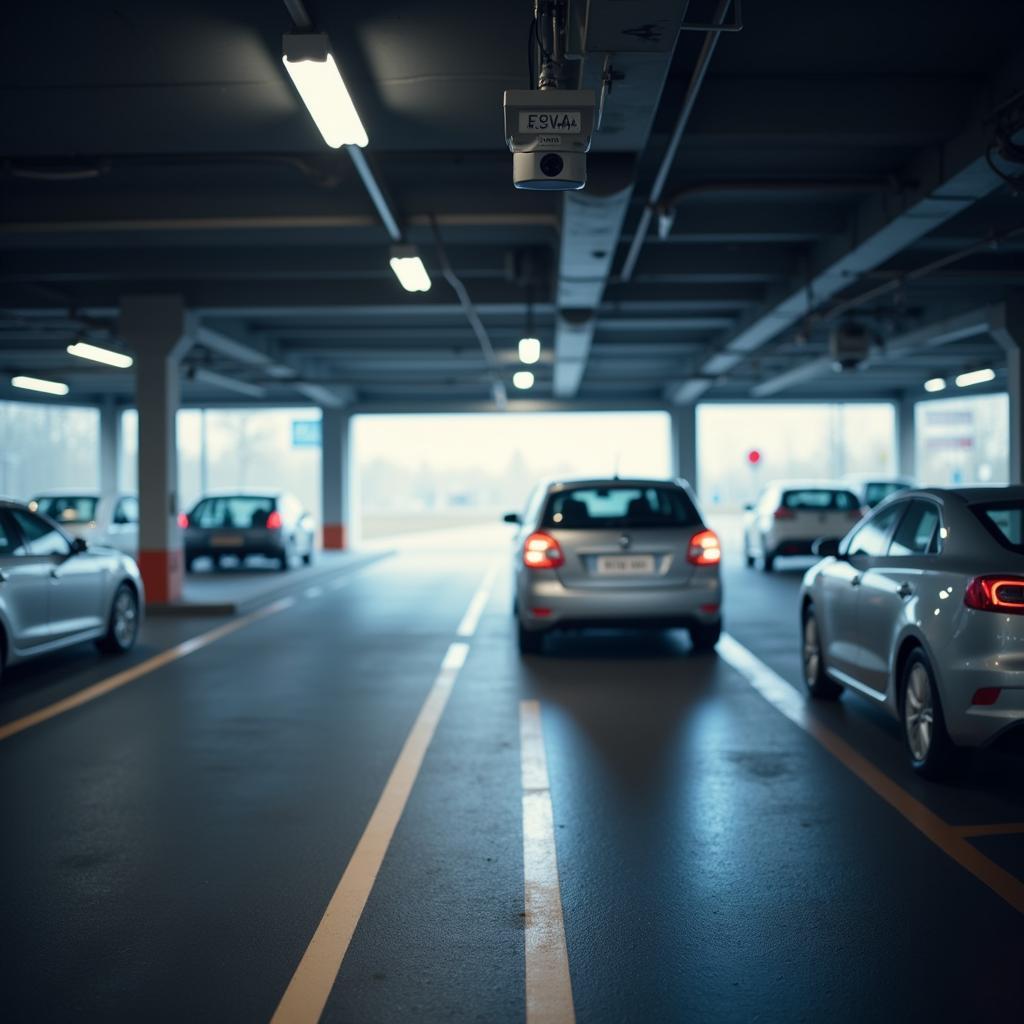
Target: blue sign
306	433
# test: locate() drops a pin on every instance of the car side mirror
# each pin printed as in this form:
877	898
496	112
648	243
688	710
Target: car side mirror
79	545
826	547
512	517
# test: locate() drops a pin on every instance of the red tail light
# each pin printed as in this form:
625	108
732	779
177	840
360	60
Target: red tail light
183	520
1003	594
784	513
705	548
541	551
274	520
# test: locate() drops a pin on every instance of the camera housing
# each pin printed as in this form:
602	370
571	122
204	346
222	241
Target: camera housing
549	133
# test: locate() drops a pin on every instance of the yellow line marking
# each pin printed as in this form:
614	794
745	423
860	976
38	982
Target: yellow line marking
1010	828
130	675
470	621
947	837
548	985
306	996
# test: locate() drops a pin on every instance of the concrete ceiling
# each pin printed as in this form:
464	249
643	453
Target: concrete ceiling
158	147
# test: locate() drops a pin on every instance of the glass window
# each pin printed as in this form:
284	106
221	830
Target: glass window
67	508
917	531
7	536
1005	521
39	536
236	512
620	508
878	490
872	539
127	511
821	500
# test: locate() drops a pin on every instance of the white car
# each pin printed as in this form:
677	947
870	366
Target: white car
791	515
874	489
104	520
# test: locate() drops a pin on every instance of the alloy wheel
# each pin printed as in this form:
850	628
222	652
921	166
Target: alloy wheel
812	649
125	617
918	712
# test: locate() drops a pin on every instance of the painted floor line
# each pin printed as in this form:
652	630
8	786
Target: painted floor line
548	984
976	831
470	621
340	583
313	592
785	699
144	668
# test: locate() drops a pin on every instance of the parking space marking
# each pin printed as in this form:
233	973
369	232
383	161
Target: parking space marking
313	592
548	984
1010	828
144	668
470	621
343	581
948	838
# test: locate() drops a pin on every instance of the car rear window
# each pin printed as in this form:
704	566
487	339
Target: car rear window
241	512
1005	521
875	493
67	508
583	508
820	499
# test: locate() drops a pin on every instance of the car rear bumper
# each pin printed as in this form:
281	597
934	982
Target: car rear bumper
545	603
267	550
974	725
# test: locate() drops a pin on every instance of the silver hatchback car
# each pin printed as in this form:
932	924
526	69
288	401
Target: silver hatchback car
921	609
56	591
615	553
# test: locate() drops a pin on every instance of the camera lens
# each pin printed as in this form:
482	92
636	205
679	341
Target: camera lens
551	164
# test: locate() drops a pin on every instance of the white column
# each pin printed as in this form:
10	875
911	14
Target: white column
684	443
154	327
1008	330
335	470
110	447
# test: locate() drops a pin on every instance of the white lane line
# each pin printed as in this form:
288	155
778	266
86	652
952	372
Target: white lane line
948	838
548	985
312	592
343	581
470	621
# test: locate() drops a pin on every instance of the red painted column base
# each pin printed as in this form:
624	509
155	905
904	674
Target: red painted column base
162	575
334	537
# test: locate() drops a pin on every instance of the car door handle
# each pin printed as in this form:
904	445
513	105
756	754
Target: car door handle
905	590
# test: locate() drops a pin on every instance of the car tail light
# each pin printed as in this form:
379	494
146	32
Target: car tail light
183	520
705	548
541	551
274	520
784	513
996	594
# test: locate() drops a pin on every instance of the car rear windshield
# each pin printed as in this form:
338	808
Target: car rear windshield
67	508
619	507
876	493
239	512
1005	521
820	499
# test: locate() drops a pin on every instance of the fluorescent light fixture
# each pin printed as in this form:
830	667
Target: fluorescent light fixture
966	380
47	387
409	269
935	384
84	350
308	60
529	350
523	380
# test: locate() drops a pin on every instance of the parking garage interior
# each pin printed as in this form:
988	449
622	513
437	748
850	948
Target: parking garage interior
342	791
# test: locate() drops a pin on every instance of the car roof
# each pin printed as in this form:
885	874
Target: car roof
243	492
817	485
561	483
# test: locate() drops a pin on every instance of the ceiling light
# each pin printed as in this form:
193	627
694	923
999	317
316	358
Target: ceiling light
84	350
529	350
935	384
523	380
47	387
409	269
308	60
966	380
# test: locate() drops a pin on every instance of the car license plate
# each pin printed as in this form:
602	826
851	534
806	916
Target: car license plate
625	565
227	541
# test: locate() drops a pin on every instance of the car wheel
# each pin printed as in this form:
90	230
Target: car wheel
307	558
747	556
190	565
816	679
704	636
530	642
924	728
767	562
123	625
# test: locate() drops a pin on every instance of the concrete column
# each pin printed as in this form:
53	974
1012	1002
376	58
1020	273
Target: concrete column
1007	328
110	447
684	443
906	437
335	469
154	327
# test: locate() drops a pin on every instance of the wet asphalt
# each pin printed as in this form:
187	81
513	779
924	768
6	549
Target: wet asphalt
169	848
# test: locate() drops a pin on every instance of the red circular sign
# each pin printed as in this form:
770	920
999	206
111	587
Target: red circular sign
753	456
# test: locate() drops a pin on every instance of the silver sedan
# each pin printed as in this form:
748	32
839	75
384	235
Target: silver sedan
920	608
624	553
56	591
